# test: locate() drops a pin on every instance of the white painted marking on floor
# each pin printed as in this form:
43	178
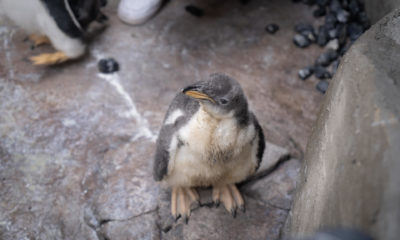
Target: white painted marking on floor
114	80
143	125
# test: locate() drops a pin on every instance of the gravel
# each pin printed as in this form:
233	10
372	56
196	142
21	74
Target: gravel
333	44
335	6
326	58
322	86
322	38
301	41
330	18
108	65
344	22
322	3
334	66
354	31
301	27
305	72
354	7
195	11
321	72
272	28
342	16
319	12
310	35
333	33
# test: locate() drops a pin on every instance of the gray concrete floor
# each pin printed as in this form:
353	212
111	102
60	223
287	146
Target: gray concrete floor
76	145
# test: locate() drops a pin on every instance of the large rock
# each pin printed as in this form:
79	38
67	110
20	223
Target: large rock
376	9
267	205
351	171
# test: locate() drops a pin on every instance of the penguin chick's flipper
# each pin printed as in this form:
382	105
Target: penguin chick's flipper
181	200
49	58
230	196
39	39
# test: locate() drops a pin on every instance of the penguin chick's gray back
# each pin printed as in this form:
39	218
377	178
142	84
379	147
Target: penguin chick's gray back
189	107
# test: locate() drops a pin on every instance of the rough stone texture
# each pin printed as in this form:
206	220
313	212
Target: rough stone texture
377	9
76	146
351	170
278	189
267	204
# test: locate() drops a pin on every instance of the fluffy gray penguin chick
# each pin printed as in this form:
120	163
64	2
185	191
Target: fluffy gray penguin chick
209	137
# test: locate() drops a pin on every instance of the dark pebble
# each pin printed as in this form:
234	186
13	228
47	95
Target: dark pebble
301	41
322	86
330	18
342	16
344	49
301	27
305	72
345	3
326	58
334	66
244	2
354	7
321	73
322	38
108	65
319	12
195	11
310	35
333	33
309	2
322	3
363	20
342	37
306	30
354	31
323	59
333	55
330	26
335	6
272	28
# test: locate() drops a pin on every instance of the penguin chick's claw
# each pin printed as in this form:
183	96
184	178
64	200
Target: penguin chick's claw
49	58
39	39
181	200
230	196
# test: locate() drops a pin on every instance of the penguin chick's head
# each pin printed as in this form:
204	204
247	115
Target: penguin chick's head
221	96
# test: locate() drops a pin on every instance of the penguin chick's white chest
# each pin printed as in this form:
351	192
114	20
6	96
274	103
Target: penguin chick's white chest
209	151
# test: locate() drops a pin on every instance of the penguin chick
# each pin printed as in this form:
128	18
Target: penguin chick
63	23
208	138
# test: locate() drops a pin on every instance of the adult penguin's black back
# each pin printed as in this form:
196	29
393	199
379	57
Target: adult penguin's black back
74	16
63	23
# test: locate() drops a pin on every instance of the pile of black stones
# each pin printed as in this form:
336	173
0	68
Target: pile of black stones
344	22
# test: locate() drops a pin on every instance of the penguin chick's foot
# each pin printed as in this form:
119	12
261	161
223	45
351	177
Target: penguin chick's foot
230	196
49	58
181	200
39	39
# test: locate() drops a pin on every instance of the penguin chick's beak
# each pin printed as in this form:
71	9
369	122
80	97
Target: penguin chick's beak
196	92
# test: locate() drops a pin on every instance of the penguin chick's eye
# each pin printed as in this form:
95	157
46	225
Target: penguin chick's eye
223	101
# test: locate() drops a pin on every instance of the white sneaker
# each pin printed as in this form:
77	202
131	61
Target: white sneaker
137	11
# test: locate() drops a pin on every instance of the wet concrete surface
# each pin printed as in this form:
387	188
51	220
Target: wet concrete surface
76	146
